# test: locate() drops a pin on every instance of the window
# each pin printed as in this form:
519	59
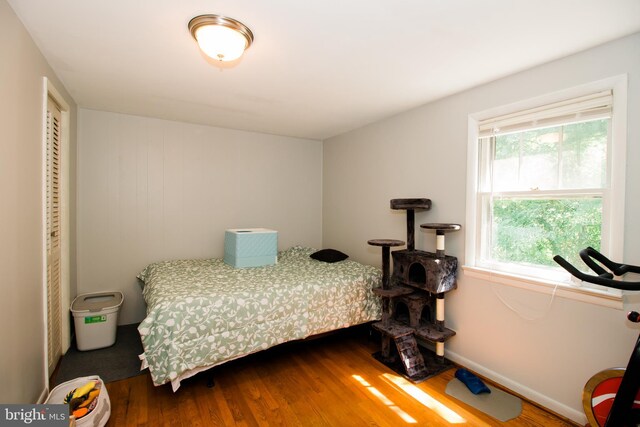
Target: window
545	183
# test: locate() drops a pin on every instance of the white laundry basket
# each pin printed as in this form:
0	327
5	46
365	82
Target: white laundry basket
100	414
95	317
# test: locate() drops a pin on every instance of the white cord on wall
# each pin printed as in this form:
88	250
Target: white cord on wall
518	312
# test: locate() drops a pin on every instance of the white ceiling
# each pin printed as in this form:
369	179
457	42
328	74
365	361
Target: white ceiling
317	68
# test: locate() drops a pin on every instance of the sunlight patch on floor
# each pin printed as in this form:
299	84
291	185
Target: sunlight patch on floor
439	408
385	400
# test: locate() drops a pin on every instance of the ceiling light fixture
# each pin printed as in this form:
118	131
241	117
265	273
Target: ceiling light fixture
220	37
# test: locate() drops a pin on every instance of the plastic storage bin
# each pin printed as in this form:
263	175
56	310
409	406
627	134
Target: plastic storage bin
99	415
95	317
250	247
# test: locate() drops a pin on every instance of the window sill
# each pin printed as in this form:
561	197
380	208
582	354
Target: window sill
612	298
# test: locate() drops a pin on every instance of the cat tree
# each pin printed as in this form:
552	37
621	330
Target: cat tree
418	284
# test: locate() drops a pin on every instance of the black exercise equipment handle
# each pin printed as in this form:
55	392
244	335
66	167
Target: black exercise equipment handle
603	277
586	255
617	269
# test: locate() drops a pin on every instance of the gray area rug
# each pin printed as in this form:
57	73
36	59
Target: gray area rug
498	404
113	363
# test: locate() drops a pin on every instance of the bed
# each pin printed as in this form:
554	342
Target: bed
202	313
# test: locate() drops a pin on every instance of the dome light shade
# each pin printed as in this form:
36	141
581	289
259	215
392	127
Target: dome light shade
219	37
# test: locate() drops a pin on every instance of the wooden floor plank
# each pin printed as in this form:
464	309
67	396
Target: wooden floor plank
332	381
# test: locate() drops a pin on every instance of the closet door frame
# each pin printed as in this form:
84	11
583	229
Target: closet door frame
50	92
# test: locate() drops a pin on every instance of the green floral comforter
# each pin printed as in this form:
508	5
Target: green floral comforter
201	313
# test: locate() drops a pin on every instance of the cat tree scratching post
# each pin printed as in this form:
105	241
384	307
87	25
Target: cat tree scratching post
386	292
410	205
441	229
418	283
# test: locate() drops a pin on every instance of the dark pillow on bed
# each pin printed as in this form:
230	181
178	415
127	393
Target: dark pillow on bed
329	255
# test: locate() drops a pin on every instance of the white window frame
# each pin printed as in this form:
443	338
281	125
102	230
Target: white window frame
613	223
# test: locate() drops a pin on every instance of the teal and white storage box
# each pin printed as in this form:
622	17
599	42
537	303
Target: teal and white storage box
250	247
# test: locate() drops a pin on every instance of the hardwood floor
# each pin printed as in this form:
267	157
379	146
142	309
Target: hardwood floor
330	381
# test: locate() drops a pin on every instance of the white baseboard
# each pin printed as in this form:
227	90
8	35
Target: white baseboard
532	395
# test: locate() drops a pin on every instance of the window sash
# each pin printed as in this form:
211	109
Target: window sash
546	194
586	108
487	158
484	242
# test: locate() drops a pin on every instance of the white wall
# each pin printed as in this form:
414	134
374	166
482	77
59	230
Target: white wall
422	153
23	355
151	190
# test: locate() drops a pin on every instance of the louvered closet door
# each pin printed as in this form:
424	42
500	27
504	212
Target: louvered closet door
54	320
